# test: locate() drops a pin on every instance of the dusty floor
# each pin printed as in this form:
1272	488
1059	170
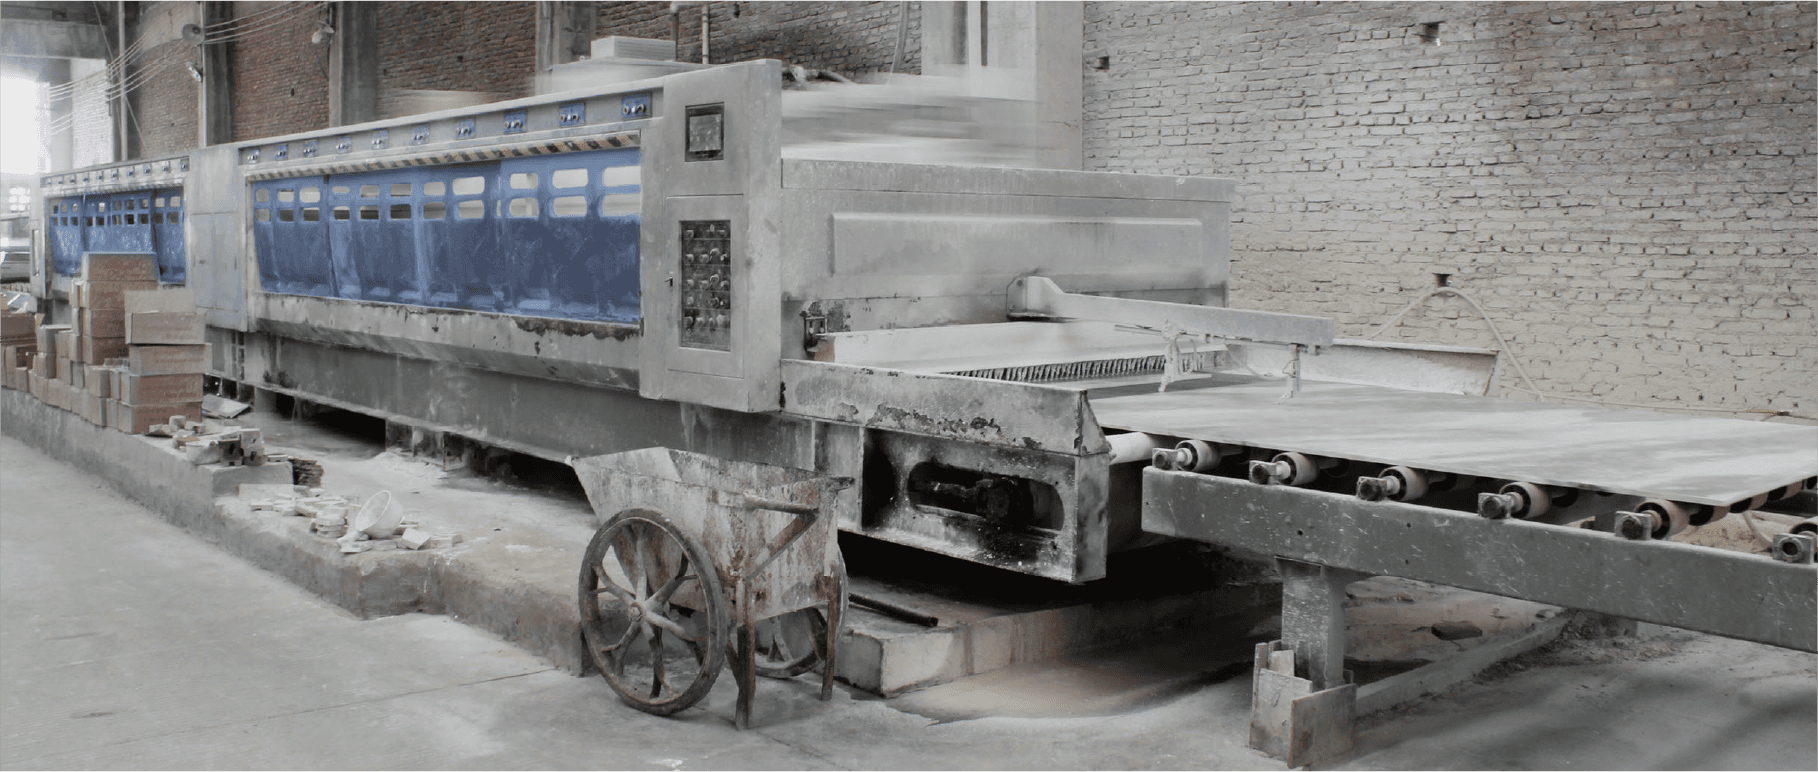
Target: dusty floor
127	643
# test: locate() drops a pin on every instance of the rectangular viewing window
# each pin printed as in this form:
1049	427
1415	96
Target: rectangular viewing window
400	189
342	213
173	217
310	194
369	213
129	204
469	186
312	214
471	209
619	176
262	195
286	195
286	215
437	188
400	211
434	210
158	202
262	215
342	190
176	201
524	207
568	178
524	180
621	204
568	206
369	191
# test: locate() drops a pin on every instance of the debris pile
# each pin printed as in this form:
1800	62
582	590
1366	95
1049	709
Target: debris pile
375	526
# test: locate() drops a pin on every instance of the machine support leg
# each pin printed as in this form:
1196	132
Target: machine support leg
1301	702
1313	620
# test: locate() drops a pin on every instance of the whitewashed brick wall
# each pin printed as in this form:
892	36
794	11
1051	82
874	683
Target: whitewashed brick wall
1627	188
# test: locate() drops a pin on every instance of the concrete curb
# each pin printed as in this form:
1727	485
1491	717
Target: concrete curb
370	584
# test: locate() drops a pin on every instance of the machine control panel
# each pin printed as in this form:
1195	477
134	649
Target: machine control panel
706	284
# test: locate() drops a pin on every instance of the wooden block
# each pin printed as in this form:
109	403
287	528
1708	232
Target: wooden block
78	376
103	322
112	407
164	327
62	370
159	389
168	360
98	350
56	394
112	294
120	266
94	408
169	300
138	419
40	387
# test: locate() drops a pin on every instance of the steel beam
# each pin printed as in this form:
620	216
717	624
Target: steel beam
1039	296
1732	594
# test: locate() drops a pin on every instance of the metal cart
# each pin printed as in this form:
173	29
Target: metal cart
699	561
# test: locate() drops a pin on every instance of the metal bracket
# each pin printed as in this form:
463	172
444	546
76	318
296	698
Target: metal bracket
1036	296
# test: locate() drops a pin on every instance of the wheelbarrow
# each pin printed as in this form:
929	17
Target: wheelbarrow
700	561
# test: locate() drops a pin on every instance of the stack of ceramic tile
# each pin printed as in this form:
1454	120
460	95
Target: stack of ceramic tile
98	327
18	341
165	361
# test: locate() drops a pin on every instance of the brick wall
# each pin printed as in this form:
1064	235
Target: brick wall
280	78
489	48
1626	188
849	38
167	99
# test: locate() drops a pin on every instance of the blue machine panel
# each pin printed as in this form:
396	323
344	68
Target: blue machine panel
167	235
553	236
68	234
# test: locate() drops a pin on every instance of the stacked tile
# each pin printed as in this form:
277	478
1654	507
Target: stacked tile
45	377
165	361
18	341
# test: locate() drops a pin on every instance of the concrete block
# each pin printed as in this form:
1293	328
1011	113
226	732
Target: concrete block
99	381
39	385
266	491
77	377
168	360
120	267
164	327
47	337
414	538
113	414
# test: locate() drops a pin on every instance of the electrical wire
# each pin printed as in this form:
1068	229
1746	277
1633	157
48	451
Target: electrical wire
296	12
1436	291
254	17
1543	395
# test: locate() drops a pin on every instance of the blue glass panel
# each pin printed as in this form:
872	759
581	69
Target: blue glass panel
167	235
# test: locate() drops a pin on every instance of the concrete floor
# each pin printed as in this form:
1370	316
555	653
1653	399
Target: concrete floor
127	643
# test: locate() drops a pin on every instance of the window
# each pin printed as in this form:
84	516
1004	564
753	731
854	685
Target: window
400	211
569	178
287	215
568	206
129	204
524	180
469	186
174	218
400	189
471	209
369	191
435	188
369	213
176	201
158	202
341	190
286	195
312	214
310	195
262	196
523	207
619	176
262	215
434	210
342	213
621	204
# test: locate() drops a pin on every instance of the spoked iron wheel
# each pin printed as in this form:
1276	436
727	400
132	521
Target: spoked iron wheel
653	615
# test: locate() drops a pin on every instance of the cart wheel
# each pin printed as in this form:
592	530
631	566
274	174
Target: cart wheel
652	612
791	644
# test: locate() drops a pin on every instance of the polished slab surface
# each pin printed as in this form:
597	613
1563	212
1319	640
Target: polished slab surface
1682	458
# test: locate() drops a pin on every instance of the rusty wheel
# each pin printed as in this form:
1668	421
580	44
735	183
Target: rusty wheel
791	644
652	613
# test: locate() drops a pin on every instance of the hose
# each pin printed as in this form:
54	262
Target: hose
1522	371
